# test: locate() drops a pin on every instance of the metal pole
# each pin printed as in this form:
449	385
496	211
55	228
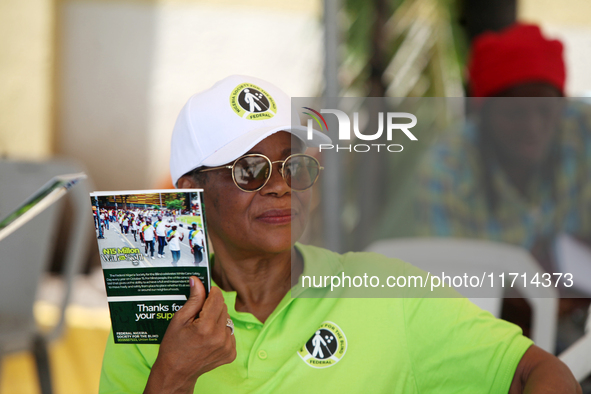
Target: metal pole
332	190
98	218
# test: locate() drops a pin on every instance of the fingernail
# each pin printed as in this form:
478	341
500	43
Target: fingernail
191	282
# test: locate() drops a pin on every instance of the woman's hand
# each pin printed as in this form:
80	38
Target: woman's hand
193	345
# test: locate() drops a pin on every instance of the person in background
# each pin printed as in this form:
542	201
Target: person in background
161	230
518	172
134	226
149	234
125	223
104	219
142	223
120	221
174	238
197	243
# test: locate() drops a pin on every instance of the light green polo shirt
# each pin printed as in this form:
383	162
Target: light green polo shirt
350	345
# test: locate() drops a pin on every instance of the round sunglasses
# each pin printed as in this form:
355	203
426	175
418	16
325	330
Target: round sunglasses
251	172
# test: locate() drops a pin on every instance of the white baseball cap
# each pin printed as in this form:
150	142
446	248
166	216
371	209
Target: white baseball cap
220	124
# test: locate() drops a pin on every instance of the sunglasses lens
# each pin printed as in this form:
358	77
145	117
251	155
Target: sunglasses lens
301	172
251	172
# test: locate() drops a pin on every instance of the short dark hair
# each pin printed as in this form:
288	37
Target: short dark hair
197	176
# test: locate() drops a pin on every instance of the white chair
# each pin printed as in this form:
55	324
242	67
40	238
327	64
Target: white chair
25	253
578	356
456	256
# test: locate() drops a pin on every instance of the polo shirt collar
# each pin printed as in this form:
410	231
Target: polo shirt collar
317	262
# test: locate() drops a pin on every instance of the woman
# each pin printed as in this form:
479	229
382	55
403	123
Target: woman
281	344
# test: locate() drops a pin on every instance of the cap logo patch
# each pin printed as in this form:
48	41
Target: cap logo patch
326	347
251	102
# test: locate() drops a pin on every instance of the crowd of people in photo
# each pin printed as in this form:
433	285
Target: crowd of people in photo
154	230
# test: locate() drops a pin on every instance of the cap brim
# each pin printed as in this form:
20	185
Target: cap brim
246	142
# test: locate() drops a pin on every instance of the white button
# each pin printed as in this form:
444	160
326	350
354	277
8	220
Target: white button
249	326
262	354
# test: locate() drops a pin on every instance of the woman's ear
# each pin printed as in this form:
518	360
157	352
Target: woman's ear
186	182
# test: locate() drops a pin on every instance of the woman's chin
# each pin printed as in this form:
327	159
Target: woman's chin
277	246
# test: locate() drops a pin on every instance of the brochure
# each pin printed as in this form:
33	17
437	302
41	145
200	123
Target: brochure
150	243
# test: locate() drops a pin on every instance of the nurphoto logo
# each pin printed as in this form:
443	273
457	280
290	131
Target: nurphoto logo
392	122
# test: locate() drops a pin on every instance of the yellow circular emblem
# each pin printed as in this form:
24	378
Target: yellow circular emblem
252	102
326	347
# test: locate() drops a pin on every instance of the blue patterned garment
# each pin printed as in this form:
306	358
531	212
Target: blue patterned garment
451	200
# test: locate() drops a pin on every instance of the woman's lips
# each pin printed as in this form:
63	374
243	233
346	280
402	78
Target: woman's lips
277	216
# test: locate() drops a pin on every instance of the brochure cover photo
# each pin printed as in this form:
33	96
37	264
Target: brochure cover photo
150	242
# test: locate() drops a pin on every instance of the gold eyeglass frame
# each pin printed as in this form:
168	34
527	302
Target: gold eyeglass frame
281	170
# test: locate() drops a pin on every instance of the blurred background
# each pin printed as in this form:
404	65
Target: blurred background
99	83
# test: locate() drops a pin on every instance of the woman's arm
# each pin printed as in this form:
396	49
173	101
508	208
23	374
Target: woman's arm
193	345
540	372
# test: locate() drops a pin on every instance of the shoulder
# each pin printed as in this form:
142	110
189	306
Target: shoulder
364	274
349	260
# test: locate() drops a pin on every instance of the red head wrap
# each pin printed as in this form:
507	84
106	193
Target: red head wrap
516	55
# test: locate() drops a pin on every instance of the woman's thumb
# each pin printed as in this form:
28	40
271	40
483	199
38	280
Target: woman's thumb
195	302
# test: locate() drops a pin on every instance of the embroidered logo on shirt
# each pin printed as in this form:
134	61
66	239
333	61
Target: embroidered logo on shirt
326	347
